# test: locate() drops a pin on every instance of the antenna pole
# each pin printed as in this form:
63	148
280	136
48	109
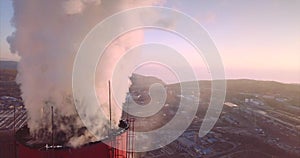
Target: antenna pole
109	102
52	130
110	129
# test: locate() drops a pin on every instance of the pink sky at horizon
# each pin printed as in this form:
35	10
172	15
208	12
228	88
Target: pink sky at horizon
256	39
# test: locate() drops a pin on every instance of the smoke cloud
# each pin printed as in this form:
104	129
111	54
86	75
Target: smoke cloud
47	37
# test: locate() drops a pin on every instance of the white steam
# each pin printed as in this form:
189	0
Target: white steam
47	37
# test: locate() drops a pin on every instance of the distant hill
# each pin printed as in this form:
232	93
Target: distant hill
8	64
262	88
256	86
142	81
233	86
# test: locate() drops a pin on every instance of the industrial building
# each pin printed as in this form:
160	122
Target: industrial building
22	145
17	142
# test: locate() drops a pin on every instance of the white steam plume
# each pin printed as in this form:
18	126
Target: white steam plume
47	37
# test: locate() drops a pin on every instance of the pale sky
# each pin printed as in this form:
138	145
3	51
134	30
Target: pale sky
257	39
6	13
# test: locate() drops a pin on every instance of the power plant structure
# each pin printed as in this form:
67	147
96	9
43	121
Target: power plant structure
109	147
117	144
